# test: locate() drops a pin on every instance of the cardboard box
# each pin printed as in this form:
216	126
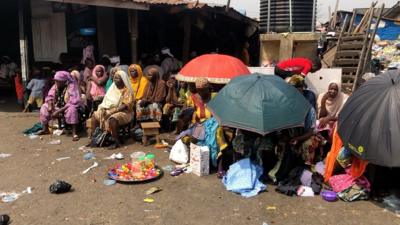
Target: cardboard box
200	160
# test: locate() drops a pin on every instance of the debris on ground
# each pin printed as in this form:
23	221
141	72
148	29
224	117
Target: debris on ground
95	164
148	200
168	168
63	158
55	142
4	155
58	132
88	156
59	187
33	136
12	196
153	190
117	156
109	182
4	219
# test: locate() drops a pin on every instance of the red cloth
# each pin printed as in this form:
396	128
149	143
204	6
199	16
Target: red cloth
19	88
296	65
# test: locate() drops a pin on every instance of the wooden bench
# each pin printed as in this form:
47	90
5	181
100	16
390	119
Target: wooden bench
150	129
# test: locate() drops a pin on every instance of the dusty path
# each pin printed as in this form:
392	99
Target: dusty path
186	199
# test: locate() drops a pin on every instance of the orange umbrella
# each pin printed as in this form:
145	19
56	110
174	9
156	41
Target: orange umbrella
217	68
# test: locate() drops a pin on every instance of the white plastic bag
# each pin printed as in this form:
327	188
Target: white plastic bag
179	153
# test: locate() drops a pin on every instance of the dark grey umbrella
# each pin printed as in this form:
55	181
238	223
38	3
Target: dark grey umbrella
369	124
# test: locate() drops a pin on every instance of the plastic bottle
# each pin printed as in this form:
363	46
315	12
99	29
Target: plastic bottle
150	163
142	164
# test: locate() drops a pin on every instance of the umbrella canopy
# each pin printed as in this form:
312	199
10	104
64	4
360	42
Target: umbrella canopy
259	103
369	123
217	68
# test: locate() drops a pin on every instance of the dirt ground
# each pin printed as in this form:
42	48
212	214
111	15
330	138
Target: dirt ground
186	199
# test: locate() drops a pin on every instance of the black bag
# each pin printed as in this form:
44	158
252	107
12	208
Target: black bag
59	187
101	138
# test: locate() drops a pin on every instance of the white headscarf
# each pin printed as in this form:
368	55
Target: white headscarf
113	95
333	106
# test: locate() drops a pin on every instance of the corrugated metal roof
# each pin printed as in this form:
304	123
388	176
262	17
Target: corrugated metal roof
167	2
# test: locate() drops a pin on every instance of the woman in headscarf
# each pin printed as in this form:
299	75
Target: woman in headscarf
149	107
298	82
62	102
111	77
330	104
116	109
81	85
95	90
138	81
200	100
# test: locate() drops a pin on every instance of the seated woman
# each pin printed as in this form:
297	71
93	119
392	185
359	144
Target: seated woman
306	140
111	77
298	82
62	102
95	89
138	81
116	109
186	114
149	107
81	85
199	100
172	107
329	105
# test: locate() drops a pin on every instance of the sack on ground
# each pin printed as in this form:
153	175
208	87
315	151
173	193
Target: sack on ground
179	153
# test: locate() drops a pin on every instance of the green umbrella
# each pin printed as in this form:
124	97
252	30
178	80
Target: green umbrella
259	103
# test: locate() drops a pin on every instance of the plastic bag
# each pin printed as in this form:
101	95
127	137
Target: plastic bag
59	187
179	153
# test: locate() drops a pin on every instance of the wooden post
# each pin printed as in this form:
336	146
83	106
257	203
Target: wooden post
186	37
134	34
22	42
334	17
353	17
360	68
371	42
330	14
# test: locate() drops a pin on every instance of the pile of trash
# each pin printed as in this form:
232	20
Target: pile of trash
388	53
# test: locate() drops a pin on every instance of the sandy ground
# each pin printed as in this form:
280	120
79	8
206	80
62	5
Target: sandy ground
186	199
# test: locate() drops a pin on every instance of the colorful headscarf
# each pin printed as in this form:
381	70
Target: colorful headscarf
202	83
138	83
63	76
297	81
96	68
76	75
